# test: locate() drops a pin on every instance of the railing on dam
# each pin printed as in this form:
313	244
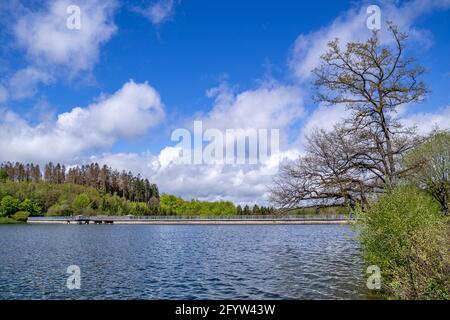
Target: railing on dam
328	217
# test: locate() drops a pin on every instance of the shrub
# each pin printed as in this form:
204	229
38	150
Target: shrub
431	161
31	207
21	216
6	220
60	210
81	201
404	234
9	205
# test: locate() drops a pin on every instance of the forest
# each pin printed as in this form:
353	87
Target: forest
26	190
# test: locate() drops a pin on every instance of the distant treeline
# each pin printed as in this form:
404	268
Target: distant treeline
65	199
255	210
172	205
104	179
95	190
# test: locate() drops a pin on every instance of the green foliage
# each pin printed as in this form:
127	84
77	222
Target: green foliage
3	175
60	210
7	220
9	205
81	201
432	162
172	205
404	234
31	207
69	199
139	209
21	216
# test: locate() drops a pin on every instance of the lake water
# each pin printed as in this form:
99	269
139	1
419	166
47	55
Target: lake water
181	262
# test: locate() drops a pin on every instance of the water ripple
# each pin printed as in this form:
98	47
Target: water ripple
180	262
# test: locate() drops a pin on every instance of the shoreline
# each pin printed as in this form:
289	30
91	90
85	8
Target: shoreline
195	222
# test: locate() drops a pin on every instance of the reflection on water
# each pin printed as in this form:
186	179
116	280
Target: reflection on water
181	262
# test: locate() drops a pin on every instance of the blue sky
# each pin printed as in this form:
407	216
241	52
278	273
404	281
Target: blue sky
177	52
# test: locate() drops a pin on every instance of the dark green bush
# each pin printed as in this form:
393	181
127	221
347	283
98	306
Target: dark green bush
9	205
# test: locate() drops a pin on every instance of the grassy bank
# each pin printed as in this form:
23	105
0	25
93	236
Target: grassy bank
6	220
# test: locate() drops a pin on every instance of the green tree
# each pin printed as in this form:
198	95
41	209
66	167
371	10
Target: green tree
9	205
81	201
31	207
239	210
404	234
432	162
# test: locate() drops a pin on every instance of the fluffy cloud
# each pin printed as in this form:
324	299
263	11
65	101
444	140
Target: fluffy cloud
158	12
23	84
130	111
272	106
48	41
238	183
325	117
428	121
268	106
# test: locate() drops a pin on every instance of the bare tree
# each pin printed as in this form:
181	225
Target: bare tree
372	80
363	154
342	166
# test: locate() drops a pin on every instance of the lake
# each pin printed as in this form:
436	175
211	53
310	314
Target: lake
181	262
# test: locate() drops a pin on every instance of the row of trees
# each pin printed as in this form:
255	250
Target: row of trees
255	210
104	191
105	179
172	205
36	198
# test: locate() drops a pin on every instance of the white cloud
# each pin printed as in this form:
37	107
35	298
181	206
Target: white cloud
273	106
323	117
23	84
48	42
428	121
240	184
158	12
268	106
130	111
